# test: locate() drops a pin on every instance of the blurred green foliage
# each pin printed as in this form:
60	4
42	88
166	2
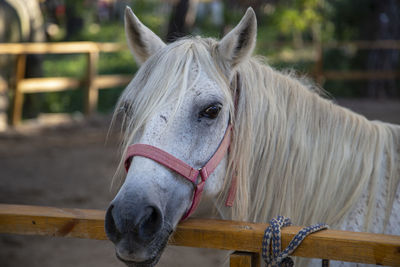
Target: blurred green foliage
298	16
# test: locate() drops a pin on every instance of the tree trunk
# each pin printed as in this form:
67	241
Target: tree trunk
177	24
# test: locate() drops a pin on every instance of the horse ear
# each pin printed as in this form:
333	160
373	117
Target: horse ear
239	43
141	40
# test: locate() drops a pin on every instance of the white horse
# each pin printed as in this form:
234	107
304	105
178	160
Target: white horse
292	152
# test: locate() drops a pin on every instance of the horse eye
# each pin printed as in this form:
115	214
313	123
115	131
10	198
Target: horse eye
211	112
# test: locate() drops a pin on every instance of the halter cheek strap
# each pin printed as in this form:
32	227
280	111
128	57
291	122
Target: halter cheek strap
183	168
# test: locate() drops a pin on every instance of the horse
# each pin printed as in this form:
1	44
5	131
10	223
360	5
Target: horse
292	151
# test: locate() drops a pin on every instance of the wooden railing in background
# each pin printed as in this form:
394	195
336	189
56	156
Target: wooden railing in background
91	81
242	237
322	75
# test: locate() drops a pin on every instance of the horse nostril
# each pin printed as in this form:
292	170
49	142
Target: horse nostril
109	225
150	223
141	223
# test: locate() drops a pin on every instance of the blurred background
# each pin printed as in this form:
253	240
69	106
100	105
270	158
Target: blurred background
350	48
63	65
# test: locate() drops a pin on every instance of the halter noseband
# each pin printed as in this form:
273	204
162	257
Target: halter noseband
184	169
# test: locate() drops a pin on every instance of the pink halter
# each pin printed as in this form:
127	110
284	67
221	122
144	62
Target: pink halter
184	169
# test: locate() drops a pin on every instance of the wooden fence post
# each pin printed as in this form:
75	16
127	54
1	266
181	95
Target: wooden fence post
244	259
18	100
91	90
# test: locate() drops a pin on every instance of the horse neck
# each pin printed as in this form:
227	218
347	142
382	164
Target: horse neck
304	156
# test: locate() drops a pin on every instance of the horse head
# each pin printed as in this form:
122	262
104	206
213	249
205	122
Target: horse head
181	103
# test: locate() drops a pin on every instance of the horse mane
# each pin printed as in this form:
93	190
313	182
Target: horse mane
299	155
293	152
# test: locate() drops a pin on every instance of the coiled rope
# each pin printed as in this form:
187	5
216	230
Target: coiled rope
276	257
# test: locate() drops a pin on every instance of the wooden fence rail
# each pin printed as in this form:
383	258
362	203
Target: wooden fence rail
322	75
91	81
238	236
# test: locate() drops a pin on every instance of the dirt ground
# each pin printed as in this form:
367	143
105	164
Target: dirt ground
71	165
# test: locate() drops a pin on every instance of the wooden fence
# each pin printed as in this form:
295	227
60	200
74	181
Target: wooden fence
322	75
242	237
92	82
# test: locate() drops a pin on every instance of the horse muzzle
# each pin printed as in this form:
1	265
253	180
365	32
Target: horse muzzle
138	232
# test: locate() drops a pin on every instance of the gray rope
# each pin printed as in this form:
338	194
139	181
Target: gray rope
276	257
